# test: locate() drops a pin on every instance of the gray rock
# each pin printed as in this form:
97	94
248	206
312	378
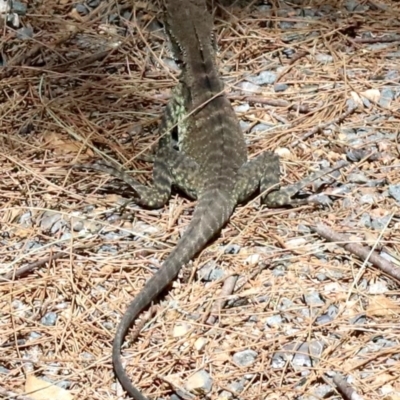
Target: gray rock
379	287
25	33
4	371
49	319
249	87
26	219
321	276
392	75
285	304
394	54
357	178
354	6
49	218
286	25
308	353
263	78
210	273
313	299
82	9
241	108
19	8
365	220
245	358
200	382
34	335
359	319
387	95
324	58
279	271
329	316
367	199
77	225
262	127
394	191
280	87
380	223
274	320
323	391
93	3
232	249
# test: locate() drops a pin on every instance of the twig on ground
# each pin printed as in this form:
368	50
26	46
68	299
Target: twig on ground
13	396
303	109
345	389
39	263
320	127
359	250
227	289
385	39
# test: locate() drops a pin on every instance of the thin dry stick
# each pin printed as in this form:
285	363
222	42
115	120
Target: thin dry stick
227	290
319	128
359	250
345	389
32	266
303	109
13	396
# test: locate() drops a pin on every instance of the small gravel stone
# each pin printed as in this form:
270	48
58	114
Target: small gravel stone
387	95
322	391
81	9
280	87
200	343
274	321
93	3
378	287
392	75
241	108
313	299
77	225
324	58
380	223
249	87
49	319
199	383
262	127
358	178
263	78
26	219
4	371
210	273
25	33
367	199
245	358
49	218
181	330
394	191
365	220
232	249
358	320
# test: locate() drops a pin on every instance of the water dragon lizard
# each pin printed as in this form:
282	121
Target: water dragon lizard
210	163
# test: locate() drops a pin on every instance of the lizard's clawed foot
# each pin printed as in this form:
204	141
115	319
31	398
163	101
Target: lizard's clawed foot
110	169
285	195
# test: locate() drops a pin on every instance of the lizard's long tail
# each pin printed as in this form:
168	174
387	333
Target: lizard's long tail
212	212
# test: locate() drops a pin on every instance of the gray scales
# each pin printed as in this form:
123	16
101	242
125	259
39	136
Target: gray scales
210	164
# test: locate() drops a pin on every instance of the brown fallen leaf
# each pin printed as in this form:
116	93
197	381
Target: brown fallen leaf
38	389
382	306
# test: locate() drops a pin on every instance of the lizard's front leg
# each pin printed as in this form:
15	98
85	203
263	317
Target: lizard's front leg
171	167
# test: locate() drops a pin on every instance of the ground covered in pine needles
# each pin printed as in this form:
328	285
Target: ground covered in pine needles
298	303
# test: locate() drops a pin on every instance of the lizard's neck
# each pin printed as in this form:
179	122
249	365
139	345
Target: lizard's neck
192	34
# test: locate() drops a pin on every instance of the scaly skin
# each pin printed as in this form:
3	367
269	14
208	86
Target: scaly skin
211	164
